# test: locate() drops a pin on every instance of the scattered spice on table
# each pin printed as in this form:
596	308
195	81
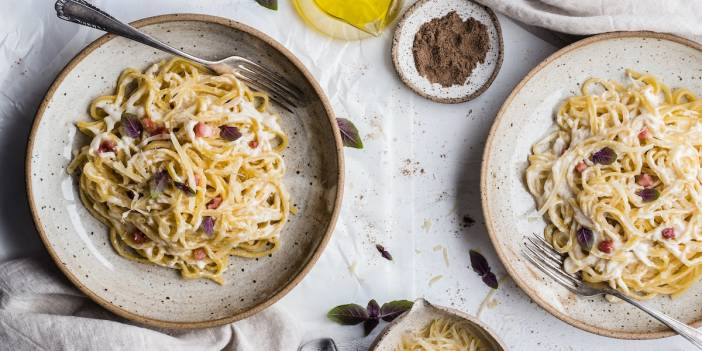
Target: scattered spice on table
468	221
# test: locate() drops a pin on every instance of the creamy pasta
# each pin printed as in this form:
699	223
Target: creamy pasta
441	335
619	183
185	168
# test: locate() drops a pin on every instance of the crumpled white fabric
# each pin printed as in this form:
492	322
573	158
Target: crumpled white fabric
597	16
41	310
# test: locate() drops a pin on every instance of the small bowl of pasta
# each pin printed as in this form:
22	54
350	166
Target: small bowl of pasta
428	327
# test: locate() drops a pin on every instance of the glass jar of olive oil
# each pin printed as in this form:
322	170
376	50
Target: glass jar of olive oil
348	19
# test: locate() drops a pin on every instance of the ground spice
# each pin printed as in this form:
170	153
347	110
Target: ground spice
447	49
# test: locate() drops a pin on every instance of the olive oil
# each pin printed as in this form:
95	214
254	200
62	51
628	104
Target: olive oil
348	19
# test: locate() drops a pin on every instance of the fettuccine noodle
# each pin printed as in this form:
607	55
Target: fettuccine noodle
185	168
619	183
441	335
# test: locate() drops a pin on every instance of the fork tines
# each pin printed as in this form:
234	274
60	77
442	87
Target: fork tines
279	88
537	251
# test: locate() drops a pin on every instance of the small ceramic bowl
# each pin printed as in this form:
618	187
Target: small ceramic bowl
482	75
154	295
421	314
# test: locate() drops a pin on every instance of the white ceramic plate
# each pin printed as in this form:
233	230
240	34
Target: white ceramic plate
524	118
159	296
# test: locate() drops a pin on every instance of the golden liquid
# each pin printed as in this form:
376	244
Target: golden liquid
348	19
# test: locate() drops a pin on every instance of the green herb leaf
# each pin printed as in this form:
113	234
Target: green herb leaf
349	314
648	194
208	223
184	188
131	124
479	263
606	156
349	133
393	309
585	238
481	266
373	309
369	325
269	4
229	133
157	183
490	280
386	255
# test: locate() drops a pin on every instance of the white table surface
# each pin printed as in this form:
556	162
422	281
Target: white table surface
409	189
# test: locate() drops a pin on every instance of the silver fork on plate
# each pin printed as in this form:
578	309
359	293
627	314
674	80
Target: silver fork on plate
258	77
540	253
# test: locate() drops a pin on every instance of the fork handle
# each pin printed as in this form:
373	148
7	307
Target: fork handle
82	12
691	334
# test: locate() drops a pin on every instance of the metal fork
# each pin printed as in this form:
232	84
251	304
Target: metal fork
323	344
542	255
258	77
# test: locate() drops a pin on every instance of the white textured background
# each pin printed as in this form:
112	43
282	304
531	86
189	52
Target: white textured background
409	189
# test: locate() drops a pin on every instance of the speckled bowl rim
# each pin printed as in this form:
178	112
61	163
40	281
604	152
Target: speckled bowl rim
188	17
419	91
487	211
451	311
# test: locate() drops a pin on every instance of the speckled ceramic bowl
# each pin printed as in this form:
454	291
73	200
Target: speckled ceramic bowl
159	296
421	314
525	117
424	11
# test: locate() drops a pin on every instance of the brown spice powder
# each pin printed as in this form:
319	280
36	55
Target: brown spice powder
447	49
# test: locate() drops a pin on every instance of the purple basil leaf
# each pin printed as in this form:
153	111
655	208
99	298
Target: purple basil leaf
479	263
132	126
373	309
186	189
157	183
606	156
393	309
386	255
350	314
490	280
208	225
369	325
269	4
349	133
585	238
648	194
229	133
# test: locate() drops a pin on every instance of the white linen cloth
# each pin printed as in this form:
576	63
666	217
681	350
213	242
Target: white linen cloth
683	17
40	310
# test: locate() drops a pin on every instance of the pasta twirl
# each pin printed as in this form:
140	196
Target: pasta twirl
619	183
185	168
